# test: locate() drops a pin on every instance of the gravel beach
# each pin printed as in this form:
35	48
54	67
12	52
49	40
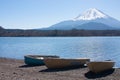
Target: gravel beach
13	69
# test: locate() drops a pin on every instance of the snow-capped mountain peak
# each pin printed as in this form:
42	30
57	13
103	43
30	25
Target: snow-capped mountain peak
92	19
91	14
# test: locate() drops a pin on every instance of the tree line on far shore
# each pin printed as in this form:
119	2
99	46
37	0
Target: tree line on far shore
54	33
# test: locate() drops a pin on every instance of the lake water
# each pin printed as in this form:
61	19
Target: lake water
95	48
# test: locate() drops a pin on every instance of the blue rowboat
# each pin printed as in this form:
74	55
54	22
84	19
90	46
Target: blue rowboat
36	60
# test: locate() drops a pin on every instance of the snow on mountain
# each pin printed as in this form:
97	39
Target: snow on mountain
90	16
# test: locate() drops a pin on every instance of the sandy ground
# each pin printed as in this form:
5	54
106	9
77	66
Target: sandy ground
11	69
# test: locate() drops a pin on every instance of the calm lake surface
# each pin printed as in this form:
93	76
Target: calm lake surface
95	48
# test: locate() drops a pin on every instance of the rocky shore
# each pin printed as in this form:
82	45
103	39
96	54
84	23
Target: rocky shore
12	69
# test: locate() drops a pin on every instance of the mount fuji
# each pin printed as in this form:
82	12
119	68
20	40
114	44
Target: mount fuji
92	19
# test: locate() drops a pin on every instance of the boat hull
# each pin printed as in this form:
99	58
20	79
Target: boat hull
63	63
97	67
36	59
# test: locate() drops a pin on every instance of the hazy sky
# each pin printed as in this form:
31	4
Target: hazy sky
28	14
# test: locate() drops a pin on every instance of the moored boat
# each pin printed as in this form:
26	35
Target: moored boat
37	59
62	63
99	66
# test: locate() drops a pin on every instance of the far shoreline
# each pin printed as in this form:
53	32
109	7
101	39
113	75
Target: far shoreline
57	33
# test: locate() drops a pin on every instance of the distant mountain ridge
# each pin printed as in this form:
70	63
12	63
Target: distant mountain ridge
1	28
92	19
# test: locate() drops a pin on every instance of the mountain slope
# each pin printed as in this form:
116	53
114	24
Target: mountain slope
94	26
